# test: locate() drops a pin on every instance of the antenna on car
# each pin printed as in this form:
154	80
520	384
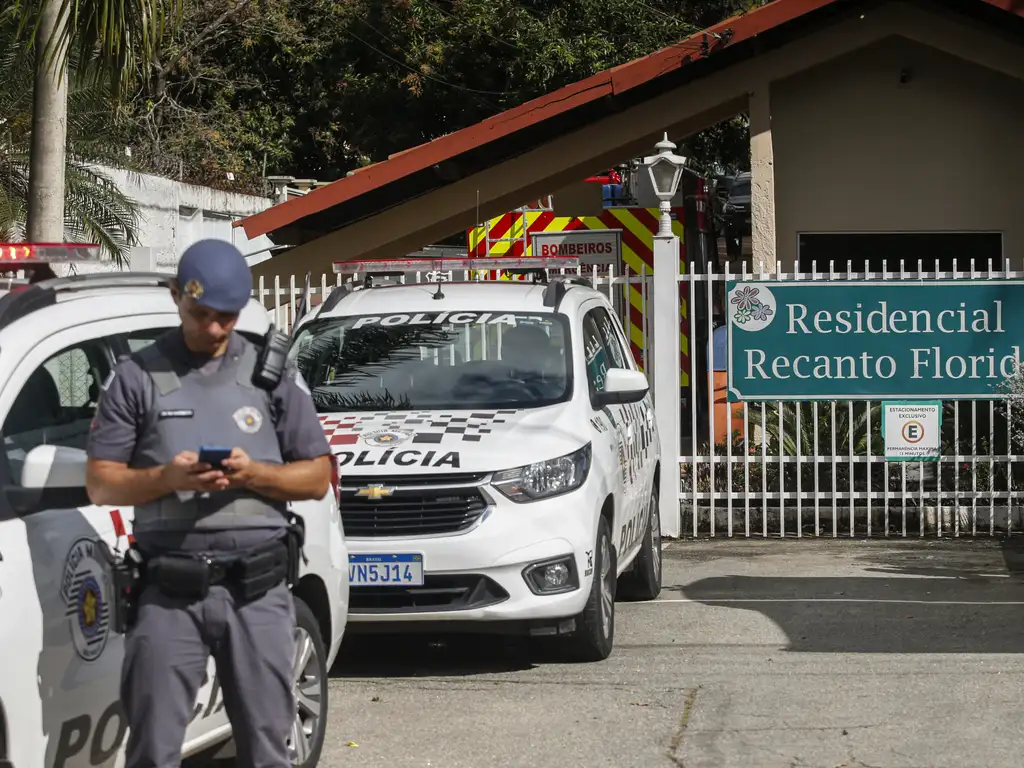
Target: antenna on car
438	294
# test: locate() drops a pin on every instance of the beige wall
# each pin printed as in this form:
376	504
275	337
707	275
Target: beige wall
857	151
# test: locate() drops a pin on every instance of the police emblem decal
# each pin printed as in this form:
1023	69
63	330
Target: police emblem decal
85	588
194	289
387	438
248	419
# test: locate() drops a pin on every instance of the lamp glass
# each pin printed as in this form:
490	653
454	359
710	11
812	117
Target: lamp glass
663	176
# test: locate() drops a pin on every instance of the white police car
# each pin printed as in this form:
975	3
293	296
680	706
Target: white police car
498	451
59	700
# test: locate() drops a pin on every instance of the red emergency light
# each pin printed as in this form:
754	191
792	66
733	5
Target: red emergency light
444	265
18	255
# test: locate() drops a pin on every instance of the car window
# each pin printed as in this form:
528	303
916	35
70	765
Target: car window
596	353
612	338
56	404
740	189
469	359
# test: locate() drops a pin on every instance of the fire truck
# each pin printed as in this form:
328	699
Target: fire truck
619	244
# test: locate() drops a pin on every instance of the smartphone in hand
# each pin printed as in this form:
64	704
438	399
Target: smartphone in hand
214	456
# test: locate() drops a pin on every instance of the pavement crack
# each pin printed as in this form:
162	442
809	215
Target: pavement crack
684	722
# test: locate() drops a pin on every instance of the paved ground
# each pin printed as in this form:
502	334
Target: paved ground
764	654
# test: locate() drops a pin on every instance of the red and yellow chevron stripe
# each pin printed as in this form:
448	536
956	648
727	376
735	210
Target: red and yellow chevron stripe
638	227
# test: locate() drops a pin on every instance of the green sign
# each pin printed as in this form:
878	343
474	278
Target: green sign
873	340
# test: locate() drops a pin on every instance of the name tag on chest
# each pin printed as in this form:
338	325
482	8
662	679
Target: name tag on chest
178	413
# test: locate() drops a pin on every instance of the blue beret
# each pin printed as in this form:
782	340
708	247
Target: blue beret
214	274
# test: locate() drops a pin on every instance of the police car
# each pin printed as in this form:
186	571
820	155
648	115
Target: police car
59	693
498	452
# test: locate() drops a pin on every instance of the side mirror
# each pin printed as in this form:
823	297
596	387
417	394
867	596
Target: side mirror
622	386
52	477
54	466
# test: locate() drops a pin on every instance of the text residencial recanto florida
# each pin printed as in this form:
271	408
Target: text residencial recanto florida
928	362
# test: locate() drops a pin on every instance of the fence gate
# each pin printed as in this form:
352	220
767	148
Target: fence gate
793	469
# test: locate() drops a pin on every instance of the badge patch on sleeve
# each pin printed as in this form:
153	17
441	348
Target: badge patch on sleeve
248	419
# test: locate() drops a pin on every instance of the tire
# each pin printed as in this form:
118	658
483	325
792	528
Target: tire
310	685
643	580
594	636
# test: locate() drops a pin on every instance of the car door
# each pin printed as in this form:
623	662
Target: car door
600	356
639	420
65	665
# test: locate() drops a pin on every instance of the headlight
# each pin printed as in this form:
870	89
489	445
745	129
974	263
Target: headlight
545	479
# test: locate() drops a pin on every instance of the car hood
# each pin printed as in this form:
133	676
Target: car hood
419	442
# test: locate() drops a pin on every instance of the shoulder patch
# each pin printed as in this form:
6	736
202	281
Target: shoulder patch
107	381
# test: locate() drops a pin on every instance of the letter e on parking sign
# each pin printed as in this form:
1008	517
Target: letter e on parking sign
912	431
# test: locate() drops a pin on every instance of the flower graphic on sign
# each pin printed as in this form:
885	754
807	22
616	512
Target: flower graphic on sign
751	308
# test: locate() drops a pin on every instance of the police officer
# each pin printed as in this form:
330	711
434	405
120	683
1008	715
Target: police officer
212	540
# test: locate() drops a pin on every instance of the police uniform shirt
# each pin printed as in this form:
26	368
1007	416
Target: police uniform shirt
123	407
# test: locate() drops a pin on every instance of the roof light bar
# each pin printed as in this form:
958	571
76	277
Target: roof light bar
444	265
27	254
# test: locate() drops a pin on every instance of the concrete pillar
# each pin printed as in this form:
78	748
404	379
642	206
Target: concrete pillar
762	183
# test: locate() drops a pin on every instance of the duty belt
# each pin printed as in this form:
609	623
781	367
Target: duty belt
253	573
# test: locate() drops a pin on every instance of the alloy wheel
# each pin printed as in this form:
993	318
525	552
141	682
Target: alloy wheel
308	701
607	588
655	537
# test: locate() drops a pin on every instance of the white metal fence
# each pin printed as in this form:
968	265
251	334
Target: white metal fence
791	469
799	469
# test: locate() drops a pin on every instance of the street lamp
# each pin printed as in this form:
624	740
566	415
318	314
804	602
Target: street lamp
666	168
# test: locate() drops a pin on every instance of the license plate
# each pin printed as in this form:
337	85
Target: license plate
385	570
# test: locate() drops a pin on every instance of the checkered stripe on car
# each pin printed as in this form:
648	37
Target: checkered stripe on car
426	426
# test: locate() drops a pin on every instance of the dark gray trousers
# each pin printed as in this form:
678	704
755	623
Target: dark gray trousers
166	654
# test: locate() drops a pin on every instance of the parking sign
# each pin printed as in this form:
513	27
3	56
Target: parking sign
912	431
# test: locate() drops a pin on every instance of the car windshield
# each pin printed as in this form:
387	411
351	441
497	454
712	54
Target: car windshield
435	360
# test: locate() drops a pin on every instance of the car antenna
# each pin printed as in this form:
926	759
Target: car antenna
439	294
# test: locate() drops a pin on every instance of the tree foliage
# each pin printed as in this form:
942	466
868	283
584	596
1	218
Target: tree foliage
96	210
315	88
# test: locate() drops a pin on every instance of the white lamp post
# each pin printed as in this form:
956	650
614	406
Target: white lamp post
666	169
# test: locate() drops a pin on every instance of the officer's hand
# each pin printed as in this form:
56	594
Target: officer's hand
185	473
240	468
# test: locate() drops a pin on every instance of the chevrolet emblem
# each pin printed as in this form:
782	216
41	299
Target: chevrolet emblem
375	492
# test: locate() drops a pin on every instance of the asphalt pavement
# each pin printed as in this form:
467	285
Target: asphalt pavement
830	654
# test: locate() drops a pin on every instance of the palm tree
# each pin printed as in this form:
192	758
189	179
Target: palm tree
109	39
93	208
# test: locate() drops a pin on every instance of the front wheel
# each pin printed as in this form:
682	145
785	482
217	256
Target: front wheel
309	676
595	627
643	580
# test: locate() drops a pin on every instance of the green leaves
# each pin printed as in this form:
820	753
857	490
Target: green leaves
110	40
95	210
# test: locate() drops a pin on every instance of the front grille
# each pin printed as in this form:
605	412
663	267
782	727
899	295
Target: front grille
419	505
439	592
